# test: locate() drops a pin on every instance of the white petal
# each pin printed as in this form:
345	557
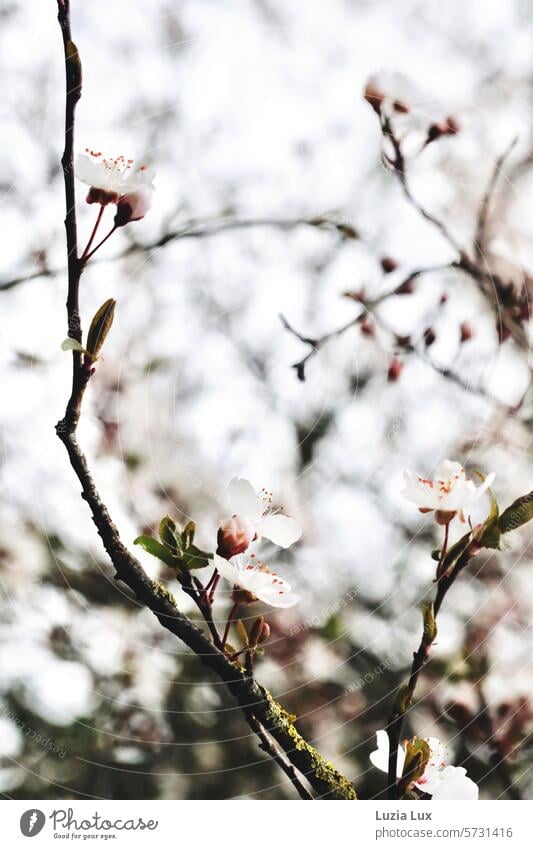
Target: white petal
139	177
419	491
489	480
243	500
448	469
380	756
438	760
70	344
462	493
281	530
228	570
275	597
454	784
87	170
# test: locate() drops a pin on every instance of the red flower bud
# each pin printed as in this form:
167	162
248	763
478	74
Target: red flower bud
367	327
466	331
395	370
406	288
133	206
265	633
401	106
452	125
374	96
429	336
234	536
388	264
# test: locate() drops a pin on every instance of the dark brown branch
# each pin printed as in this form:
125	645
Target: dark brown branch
262	711
405	697
282	761
398	166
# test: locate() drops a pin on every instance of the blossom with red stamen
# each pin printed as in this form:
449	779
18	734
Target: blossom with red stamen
112	179
440	779
256	517
254	578
449	491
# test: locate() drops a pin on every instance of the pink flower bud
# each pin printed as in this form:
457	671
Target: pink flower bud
374	96
395	370
133	206
466	331
388	264
234	536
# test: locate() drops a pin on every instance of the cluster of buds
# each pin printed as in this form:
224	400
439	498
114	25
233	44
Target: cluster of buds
449	127
376	97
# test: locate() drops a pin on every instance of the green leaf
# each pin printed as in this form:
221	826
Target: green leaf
195	558
455	551
417	755
430	625
402	701
488	536
168	536
520	512
70	344
156	549
100	327
242	632
187	535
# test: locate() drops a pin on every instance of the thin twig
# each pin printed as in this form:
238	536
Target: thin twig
398	167
480	238
420	658
315	344
200	229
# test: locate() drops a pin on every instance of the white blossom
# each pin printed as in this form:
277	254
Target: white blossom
111	179
252	575
449	490
440	779
255	514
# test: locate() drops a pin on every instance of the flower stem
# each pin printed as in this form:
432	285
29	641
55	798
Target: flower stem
85	253
99	245
444	551
231	617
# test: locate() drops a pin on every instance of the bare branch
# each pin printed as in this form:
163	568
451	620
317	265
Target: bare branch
484	207
201	229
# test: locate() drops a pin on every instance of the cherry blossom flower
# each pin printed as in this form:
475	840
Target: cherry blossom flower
252	576
112	179
448	492
254	519
440	779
